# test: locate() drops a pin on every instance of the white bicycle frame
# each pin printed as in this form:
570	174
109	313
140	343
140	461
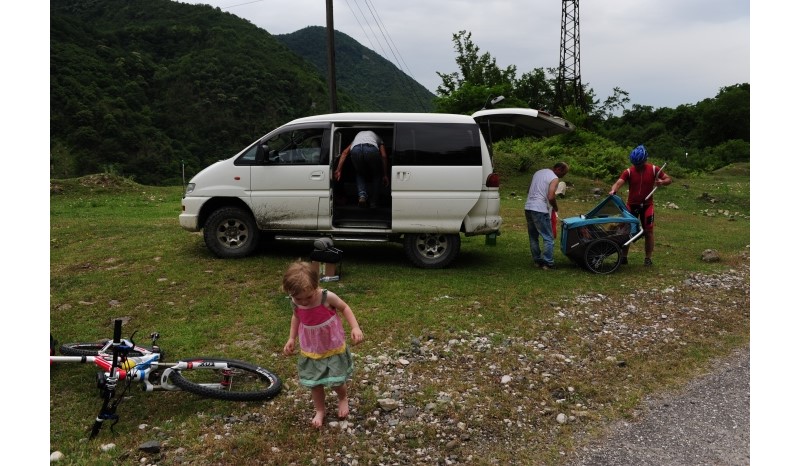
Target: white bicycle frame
143	366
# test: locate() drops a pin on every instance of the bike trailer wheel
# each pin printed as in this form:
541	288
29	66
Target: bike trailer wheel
602	256
226	379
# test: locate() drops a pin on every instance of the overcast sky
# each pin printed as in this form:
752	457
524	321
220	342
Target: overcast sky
664	53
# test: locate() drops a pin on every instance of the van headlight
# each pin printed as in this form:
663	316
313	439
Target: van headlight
189	189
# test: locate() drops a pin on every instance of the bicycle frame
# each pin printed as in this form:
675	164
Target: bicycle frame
143	366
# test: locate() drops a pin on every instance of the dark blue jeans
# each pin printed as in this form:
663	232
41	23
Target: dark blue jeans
369	166
539	224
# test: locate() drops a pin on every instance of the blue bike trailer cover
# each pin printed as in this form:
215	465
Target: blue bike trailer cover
610	209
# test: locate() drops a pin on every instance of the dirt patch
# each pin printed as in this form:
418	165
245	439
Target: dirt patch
94	183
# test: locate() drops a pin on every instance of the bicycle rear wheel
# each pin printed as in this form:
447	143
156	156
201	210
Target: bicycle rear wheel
226	379
91	349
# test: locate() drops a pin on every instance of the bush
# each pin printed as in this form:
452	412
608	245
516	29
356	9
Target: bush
732	151
587	154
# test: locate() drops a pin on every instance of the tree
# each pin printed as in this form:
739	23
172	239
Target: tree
725	117
536	89
614	103
478	77
478	70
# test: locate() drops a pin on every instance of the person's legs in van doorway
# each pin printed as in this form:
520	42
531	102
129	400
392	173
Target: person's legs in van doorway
357	157
367	162
539	225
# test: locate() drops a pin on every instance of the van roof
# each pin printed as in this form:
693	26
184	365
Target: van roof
386	117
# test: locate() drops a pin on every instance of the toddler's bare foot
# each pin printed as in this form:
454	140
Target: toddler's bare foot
318	418
344	407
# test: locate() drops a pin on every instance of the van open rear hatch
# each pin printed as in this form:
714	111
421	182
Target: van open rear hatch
502	123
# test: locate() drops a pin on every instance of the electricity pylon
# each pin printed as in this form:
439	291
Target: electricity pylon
569	90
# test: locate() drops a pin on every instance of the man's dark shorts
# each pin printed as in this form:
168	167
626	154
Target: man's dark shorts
646	215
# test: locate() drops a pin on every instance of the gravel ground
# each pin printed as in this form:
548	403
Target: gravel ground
474	396
706	423
522	391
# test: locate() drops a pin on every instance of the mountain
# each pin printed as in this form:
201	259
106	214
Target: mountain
154	89
375	83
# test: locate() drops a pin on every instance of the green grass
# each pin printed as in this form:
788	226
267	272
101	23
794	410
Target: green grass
117	251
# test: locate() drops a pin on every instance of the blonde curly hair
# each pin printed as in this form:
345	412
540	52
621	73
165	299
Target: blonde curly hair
301	276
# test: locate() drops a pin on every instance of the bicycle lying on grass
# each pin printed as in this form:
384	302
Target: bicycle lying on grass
122	361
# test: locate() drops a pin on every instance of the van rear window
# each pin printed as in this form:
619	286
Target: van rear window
436	144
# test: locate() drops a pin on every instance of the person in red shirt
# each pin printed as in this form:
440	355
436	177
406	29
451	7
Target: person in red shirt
642	179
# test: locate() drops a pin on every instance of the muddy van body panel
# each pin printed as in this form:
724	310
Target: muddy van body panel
288	197
220	180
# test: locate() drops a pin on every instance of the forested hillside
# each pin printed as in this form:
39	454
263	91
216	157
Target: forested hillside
144	88
378	84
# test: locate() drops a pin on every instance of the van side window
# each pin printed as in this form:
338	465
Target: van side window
437	144
298	147
249	156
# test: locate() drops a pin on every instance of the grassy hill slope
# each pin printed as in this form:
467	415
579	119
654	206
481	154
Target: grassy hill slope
375	83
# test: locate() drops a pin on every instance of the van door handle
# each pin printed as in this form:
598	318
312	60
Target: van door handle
316	175
403	176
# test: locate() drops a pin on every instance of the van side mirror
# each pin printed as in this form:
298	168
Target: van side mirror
261	151
265	155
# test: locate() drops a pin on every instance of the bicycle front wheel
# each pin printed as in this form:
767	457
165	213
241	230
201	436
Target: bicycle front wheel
225	379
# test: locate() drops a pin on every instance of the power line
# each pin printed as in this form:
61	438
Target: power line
400	62
360	25
389	42
370	28
239	4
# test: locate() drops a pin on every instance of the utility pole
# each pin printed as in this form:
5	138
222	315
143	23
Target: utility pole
331	57
569	90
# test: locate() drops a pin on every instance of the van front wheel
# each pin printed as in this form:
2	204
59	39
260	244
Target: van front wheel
432	250
230	233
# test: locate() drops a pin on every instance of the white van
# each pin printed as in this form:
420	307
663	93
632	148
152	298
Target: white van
442	183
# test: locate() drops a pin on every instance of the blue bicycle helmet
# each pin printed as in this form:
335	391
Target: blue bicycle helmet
639	155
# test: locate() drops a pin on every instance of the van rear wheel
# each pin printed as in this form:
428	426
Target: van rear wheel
231	232
432	250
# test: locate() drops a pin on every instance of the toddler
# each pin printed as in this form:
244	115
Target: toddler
324	359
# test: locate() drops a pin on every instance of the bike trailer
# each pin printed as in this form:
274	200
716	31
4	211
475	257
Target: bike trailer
595	240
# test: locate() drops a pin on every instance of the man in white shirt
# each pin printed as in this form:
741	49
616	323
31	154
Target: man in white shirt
541	199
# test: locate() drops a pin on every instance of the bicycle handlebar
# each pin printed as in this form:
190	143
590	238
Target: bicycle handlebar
117	330
108	410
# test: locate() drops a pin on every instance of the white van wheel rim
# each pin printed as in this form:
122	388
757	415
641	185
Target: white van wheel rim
432	246
232	233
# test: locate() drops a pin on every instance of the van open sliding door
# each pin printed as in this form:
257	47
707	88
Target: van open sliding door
347	213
